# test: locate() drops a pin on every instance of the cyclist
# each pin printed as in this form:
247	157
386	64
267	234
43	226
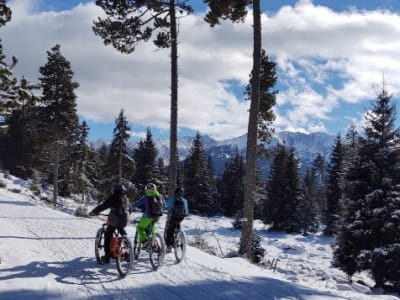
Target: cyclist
152	204
118	216
178	209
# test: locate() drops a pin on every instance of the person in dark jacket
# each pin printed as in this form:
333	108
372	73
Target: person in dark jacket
175	216
118	204
148	217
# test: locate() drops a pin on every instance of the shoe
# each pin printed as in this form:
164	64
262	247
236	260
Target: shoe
169	249
105	259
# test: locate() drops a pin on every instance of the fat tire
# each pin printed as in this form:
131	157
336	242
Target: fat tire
180	246
125	260
157	251
99	245
136	246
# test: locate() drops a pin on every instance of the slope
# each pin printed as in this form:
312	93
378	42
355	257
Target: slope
48	254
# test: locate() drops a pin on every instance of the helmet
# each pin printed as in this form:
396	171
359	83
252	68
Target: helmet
119	188
150	186
179	191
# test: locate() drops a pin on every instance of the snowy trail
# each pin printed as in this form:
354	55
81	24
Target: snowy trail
47	254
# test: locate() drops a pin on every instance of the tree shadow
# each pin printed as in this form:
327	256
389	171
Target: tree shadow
19	203
79	271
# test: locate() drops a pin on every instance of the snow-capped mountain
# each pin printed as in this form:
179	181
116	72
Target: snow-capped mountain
307	147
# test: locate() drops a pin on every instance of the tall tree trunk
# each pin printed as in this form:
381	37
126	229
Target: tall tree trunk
120	160
55	178
174	102
251	154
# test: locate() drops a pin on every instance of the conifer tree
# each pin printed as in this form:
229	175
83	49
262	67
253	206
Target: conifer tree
119	167
369	238
8	87
268	80
236	10
84	166
5	13
18	142
58	120
103	184
199	185
334	187
319	171
145	156
231	186
285	206
275	184
131	22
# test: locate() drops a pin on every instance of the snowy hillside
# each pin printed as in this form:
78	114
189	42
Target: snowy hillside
49	254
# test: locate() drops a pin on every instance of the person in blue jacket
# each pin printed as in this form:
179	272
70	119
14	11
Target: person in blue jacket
178	209
152	204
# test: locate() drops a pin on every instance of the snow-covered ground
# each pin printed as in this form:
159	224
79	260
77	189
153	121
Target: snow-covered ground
49	254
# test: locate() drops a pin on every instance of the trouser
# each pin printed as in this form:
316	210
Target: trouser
172	224
142	226
107	238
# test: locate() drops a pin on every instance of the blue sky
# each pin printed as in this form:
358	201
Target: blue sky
331	57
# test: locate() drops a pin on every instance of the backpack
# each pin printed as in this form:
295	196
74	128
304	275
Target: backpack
155	206
179	211
121	205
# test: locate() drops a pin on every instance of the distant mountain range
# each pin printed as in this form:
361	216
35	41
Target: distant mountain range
307	147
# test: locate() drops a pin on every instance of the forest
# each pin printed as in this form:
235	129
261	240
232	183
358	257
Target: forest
353	196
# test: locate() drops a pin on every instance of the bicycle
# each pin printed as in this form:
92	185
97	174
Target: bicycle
179	244
120	246
156	248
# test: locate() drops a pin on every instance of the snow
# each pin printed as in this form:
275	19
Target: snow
49	254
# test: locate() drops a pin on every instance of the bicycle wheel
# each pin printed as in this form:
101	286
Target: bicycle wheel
99	245
157	251
180	246
125	256
136	246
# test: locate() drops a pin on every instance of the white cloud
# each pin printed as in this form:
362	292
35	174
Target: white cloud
312	44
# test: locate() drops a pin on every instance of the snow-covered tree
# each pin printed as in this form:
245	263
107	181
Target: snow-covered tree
145	156
57	120
120	166
231	186
199	184
334	186
369	237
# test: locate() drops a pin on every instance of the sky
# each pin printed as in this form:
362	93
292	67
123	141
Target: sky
332	60
49	254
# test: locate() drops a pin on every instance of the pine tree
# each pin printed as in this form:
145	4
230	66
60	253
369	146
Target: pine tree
285	201
199	185
145	156
334	187
84	167
58	120
103	184
5	13
18	141
369	236
275	187
319	171
131	22
236	10
119	167
268	80
231	186
8	87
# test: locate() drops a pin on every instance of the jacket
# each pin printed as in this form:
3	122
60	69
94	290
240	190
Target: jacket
119	209
170	204
143	204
